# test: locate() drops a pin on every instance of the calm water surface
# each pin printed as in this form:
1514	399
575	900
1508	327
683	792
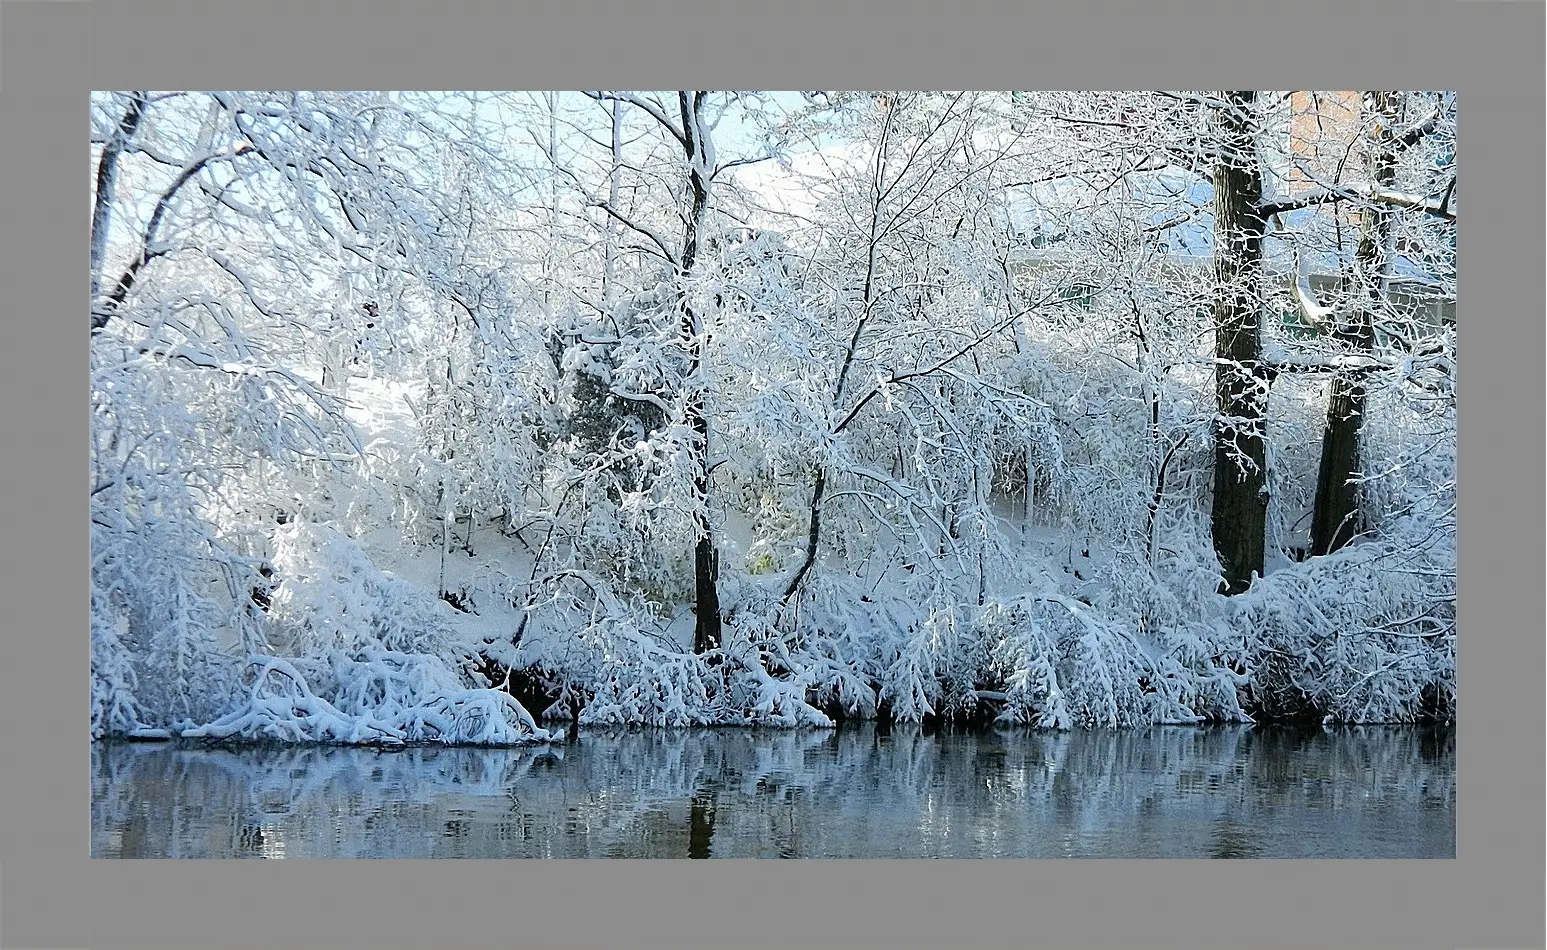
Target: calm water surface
855	792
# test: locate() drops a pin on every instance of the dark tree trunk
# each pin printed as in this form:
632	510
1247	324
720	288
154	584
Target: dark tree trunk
1241	383
706	630
1336	517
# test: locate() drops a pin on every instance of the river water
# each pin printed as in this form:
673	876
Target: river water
855	792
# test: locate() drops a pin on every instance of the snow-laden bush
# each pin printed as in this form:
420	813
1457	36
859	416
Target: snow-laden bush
368	658
836	636
331	597
611	658
163	581
114	708
1367	634
768	679
634	678
1063	665
1050	660
1027	659
378	697
1199	662
365	659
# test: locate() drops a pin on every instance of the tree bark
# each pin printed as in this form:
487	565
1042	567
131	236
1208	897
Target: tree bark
1240	505
706	630
813	535
1336	516
107	186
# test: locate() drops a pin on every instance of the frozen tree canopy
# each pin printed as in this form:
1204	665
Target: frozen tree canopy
457	416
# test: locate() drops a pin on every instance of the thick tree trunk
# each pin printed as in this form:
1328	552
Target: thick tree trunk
1240	506
1336	517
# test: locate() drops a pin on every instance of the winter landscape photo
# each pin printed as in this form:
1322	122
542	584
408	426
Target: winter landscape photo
726	474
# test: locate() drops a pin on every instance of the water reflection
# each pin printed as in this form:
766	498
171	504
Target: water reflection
853	792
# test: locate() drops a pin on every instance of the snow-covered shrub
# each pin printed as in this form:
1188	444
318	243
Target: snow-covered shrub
1198	661
163	581
379	697
846	638
1362	635
114	708
331	597
367	658
1368	633
1065	666
636	678
611	657
1026	660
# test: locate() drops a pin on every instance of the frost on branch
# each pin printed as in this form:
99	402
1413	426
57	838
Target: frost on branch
380	697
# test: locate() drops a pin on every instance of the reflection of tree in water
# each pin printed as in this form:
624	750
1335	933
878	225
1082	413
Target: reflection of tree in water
249	841
318	799
1231	839
701	825
855	791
